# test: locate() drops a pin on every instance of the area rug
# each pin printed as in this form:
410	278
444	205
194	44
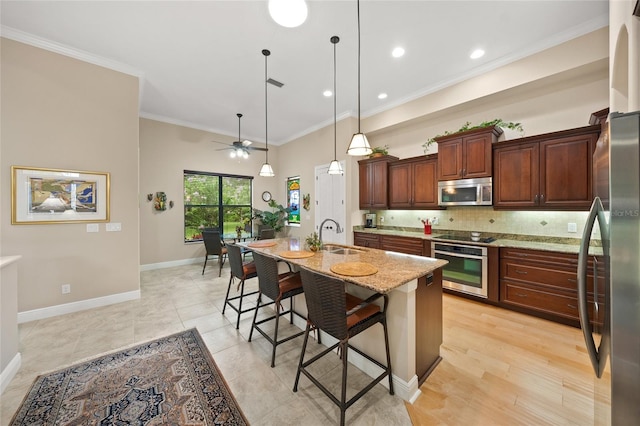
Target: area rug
169	381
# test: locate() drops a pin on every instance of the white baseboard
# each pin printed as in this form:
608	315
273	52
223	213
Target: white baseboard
81	305
162	265
9	372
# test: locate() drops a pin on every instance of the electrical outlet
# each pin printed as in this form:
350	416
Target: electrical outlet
572	227
435	220
381	219
66	288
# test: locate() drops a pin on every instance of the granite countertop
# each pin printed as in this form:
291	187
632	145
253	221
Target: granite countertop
394	269
555	244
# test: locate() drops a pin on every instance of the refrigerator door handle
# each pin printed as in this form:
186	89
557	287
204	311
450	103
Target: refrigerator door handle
598	356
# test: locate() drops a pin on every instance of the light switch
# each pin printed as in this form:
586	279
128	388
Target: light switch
114	227
93	227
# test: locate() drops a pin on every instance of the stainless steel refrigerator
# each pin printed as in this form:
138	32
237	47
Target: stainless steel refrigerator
610	310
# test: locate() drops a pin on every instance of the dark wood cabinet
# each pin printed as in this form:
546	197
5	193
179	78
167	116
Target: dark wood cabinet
551	171
407	245
373	179
428	324
466	155
366	239
545	284
413	183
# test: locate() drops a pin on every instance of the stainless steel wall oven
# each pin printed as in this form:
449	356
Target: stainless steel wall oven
467	268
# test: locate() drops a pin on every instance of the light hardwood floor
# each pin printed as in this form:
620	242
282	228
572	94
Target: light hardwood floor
504	368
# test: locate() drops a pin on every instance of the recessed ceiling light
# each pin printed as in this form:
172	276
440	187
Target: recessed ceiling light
382	96
327	93
397	52
288	13
478	53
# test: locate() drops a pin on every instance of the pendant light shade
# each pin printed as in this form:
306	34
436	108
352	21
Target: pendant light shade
359	144
334	168
266	169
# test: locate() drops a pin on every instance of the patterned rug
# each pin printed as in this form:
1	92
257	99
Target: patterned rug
169	381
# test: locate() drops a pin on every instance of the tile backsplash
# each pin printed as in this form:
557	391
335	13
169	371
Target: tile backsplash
486	220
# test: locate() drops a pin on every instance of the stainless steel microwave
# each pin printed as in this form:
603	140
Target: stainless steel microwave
465	192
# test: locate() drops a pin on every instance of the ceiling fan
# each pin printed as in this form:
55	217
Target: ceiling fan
240	148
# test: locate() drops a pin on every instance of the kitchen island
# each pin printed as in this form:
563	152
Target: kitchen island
414	315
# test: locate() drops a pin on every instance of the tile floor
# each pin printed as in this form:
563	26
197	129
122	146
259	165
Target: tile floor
178	298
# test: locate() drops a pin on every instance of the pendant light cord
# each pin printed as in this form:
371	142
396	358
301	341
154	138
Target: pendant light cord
335	41
359	66
266	53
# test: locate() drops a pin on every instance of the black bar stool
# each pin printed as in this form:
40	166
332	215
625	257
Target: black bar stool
276	287
341	315
241	271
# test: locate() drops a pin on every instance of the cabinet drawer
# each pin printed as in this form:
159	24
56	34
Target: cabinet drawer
406	245
565	260
540	300
364	239
539	275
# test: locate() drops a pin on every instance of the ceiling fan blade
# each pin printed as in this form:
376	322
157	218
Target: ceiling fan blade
255	148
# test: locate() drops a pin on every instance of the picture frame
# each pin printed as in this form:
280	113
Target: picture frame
46	196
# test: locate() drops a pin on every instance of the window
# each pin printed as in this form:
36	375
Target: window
293	200
216	201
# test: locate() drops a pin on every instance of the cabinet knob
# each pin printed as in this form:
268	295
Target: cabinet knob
521	272
542	199
536	199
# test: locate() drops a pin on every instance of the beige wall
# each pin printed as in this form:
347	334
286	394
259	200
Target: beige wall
59	112
166	150
624	45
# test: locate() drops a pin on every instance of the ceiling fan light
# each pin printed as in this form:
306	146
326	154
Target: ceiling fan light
245	154
335	168
359	145
266	170
232	154
288	13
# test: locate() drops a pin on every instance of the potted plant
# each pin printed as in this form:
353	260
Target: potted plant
497	122
379	151
313	242
273	219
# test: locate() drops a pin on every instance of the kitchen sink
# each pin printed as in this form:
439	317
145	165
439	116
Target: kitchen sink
335	249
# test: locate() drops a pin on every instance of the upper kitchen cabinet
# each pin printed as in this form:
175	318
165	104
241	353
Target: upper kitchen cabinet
373	182
551	171
413	183
466	155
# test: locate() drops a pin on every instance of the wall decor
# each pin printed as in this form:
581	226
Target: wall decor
160	202
149	197
306	202
44	196
293	200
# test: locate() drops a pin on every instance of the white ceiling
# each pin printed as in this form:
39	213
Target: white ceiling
200	62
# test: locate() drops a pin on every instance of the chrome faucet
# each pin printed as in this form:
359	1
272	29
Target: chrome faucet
338	228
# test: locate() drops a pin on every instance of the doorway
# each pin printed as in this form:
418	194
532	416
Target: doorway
330	203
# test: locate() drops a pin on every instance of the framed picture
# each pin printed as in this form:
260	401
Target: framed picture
42	196
293	200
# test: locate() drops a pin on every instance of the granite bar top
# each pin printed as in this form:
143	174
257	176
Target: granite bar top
394	269
555	244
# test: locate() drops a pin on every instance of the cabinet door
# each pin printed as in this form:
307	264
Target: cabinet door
425	184
476	156
400	183
516	176
379	199
450	160
365	185
566	172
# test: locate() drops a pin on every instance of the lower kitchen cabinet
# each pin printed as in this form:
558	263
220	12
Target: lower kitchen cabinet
544	284
407	245
366	239
428	324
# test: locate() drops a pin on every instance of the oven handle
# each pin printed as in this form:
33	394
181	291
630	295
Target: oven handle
466	256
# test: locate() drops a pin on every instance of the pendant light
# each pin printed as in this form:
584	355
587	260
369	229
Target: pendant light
266	169
359	144
334	167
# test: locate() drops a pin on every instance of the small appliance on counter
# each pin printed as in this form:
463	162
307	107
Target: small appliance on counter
370	220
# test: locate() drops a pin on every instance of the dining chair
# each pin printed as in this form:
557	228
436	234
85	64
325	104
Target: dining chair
276	287
342	316
214	247
242	271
